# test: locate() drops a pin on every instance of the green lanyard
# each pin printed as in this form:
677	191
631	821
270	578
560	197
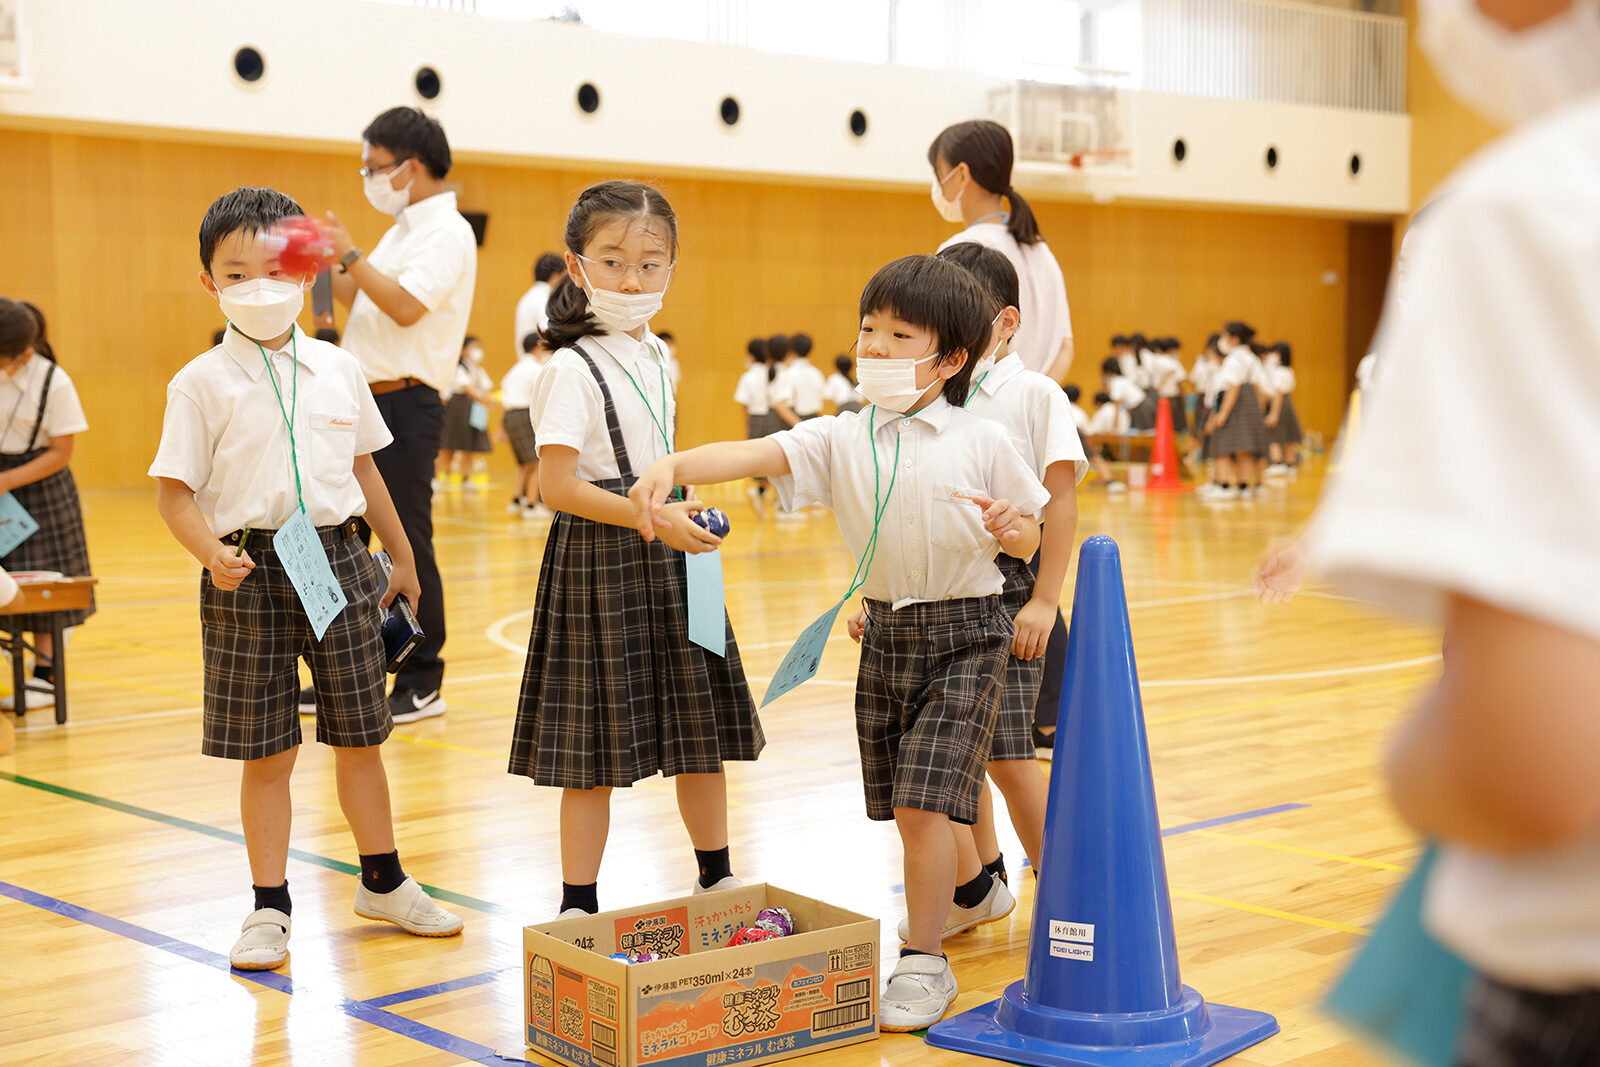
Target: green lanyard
294	400
660	424
879	506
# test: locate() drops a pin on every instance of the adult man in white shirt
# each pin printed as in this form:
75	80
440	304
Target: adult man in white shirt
409	301
1492	536
549	271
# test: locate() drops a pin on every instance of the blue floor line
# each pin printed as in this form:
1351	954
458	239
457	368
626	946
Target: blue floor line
436	988
356	1009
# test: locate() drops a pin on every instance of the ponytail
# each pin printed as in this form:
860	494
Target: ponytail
1022	225
608	201
985	147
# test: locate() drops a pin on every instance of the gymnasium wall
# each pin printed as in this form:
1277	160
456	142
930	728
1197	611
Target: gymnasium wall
1443	132
101	232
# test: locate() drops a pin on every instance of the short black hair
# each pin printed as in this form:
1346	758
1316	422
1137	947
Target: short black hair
1137	340
844	363
407	133
1211	342
757	349
1118	339
1243	332
218	337
530	341
1073	393
470	339
935	294
1111	366
1102	398
777	347
18	328
548	266
665	335
1285	353
799	344
247	208
992	269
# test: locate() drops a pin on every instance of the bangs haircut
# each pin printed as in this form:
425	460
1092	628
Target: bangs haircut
937	295
247	209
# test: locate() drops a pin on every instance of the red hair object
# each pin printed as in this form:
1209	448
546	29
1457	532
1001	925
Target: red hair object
304	244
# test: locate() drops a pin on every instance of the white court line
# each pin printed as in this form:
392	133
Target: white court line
80	725
1332	672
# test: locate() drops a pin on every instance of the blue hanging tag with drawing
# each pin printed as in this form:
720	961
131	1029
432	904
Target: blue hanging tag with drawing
478	416
800	663
708	617
16	525
299	549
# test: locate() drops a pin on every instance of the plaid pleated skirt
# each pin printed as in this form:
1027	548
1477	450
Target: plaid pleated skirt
518	423
1287	432
614	691
459	433
1143	417
1244	432
1019	689
59	544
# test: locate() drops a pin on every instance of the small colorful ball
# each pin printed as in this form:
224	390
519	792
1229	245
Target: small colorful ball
640	955
714	521
778	917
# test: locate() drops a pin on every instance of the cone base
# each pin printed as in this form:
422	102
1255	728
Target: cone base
1224	1032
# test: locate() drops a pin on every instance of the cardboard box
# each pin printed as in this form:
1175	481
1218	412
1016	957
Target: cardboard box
704	1004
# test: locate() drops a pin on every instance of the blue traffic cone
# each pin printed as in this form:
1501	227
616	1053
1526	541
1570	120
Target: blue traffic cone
1101	987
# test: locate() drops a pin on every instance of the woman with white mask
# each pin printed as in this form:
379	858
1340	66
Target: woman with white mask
1491	535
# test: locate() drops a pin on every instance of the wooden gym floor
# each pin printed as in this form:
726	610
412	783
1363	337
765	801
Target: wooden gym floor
123	878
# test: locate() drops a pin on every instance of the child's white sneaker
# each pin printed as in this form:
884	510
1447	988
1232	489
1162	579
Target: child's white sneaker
729	882
918	994
263	943
996	905
409	908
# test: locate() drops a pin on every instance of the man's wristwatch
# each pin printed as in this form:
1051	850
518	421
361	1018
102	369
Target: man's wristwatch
349	258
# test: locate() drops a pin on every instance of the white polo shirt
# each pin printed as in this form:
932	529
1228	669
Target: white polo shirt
1166	374
569	410
1046	318
1201	375
1125	393
1283	380
1500	329
840	391
1239	367
931	542
516	388
1080	419
531	312
224	436
19	406
807	386
431	252
751	392
1109	418
1034	412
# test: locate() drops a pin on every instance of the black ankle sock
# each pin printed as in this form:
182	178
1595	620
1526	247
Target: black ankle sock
998	868
585	897
274	896
972	894
714	866
913	952
382	874
44	672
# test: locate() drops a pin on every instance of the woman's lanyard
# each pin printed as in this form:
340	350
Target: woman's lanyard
288	416
879	506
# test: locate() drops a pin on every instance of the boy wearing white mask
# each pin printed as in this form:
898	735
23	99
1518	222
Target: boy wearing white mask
409	300
1494	540
923	491
266	444
614	690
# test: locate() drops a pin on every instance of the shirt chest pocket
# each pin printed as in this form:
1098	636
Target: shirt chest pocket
333	447
955	522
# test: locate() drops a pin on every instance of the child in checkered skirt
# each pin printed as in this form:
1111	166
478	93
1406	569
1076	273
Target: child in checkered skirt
926	494
43	418
269	432
614	690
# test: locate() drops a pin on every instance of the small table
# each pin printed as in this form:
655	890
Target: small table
44	596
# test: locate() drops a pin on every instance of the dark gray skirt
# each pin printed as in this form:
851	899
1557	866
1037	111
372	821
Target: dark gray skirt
59	543
1244	431
459	433
1143	417
1287	432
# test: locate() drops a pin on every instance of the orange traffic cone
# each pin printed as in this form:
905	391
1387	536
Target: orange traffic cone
1164	457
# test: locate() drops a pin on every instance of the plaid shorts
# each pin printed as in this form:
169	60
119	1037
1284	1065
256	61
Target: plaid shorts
518	423
1019	690
1510	1027
253	636
926	696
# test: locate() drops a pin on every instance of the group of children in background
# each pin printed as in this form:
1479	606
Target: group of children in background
781	388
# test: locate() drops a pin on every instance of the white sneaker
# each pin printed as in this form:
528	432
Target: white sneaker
754	493
408	908
996	905
1116	486
1224	493
917	995
573	913
1277	470
37	693
437	485
729	882
792	516
263	943
406	705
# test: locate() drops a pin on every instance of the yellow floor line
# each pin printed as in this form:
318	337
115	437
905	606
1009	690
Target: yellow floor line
1375	864
1256	909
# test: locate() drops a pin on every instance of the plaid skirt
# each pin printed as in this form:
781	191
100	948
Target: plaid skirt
1244	431
518	424
59	544
459	433
1180	414
1019	690
1143	417
1510	1027
1287	432
613	690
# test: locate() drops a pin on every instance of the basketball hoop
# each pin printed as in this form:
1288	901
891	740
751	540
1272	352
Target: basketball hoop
1100	159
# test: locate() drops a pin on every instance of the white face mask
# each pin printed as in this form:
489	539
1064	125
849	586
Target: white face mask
382	194
262	308
621	312
986	364
949	210
891	384
1508	76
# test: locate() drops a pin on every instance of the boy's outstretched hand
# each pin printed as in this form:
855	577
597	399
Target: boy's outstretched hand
649	496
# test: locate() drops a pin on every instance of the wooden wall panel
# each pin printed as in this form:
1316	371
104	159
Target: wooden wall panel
101	231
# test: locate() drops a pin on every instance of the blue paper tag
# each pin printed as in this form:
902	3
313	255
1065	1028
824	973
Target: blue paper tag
478	417
802	660
708	618
16	525
299	549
